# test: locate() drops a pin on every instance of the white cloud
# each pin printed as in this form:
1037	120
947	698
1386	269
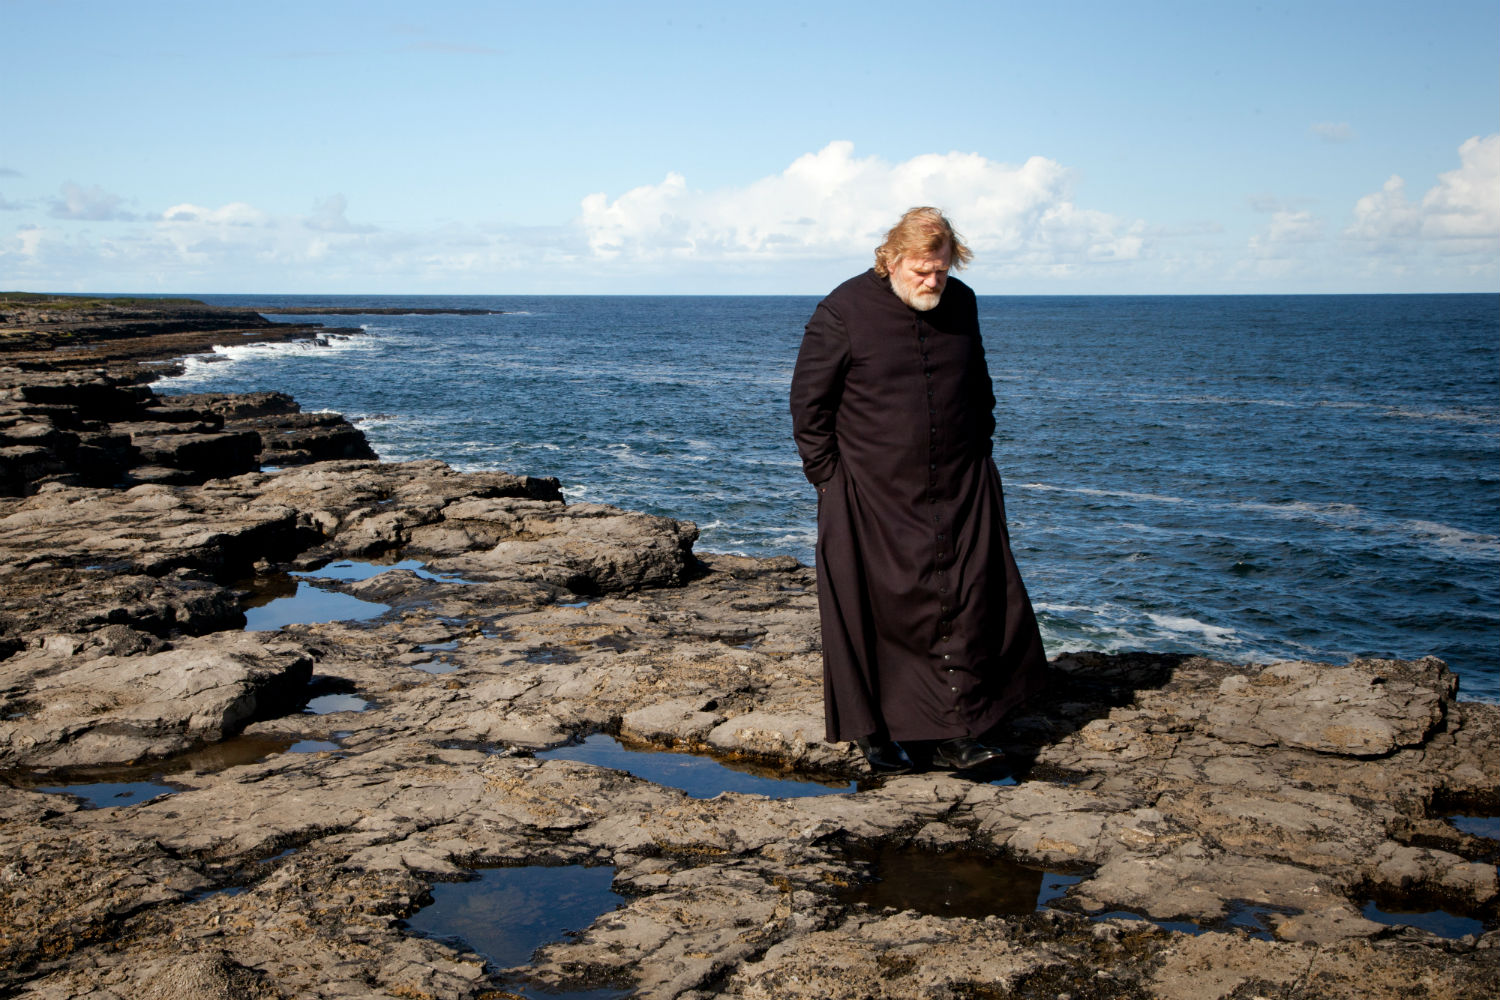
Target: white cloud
330	216
1464	205
235	213
834	205
1294	227
1332	131
91	203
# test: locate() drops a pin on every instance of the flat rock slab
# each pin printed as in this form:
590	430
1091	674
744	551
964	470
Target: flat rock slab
1368	709
1174	788
63	709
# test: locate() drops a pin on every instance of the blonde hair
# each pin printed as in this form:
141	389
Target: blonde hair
921	230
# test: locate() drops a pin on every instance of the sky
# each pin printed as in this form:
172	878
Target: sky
1210	147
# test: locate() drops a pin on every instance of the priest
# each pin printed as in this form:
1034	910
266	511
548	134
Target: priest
929	638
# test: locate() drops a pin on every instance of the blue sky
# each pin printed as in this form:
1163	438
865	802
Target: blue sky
1210	147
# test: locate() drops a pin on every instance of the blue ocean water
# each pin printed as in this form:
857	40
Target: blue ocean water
1253	478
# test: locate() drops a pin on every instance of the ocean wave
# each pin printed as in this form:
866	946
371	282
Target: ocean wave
1444	536
1351	517
213	365
1178	625
1092	492
799	539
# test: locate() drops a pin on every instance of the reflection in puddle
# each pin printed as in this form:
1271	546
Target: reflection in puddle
1439	922
549	654
435	666
309	605
351	570
127	784
1254	920
327	704
223	890
1477	826
506	914
952	883
106	794
701	777
312	746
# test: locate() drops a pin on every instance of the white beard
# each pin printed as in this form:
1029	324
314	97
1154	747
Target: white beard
919	298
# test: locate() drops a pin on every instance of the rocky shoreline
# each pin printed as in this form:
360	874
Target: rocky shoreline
1207	829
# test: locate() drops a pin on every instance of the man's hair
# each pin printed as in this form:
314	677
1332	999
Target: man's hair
921	230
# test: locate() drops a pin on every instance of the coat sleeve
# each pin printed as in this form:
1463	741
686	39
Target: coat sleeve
981	391
817	388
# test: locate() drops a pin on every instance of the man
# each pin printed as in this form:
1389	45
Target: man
928	635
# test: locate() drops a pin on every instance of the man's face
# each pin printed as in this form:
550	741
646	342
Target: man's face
918	280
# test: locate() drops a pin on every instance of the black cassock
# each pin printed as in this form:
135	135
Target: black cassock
927	629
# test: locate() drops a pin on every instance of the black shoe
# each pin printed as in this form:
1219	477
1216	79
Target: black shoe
964	753
883	756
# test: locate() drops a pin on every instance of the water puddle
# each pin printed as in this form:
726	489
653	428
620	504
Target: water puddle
701	777
1477	826
327	704
506	914
269	608
312	746
953	883
1439	922
108	794
353	570
549	654
129	784
223	890
436	665
1253	919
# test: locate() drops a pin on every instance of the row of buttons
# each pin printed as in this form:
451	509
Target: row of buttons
937	518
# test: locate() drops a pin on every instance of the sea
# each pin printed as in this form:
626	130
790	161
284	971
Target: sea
1251	478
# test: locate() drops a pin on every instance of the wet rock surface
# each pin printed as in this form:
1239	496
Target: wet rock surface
1223	828
74	408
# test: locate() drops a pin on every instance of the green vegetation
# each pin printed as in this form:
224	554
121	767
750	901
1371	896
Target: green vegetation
48	300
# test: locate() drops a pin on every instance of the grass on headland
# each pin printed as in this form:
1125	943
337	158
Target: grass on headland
51	300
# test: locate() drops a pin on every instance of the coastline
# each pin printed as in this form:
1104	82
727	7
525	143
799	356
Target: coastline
1176	788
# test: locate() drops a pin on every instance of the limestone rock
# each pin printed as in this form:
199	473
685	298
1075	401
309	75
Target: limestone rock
1366	709
111	708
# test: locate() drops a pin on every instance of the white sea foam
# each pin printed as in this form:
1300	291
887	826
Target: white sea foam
1350	517
1341	513
797	539
201	367
1058	609
1457	539
1092	492
1184	626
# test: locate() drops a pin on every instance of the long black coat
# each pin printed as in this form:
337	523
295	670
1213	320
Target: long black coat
927	629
